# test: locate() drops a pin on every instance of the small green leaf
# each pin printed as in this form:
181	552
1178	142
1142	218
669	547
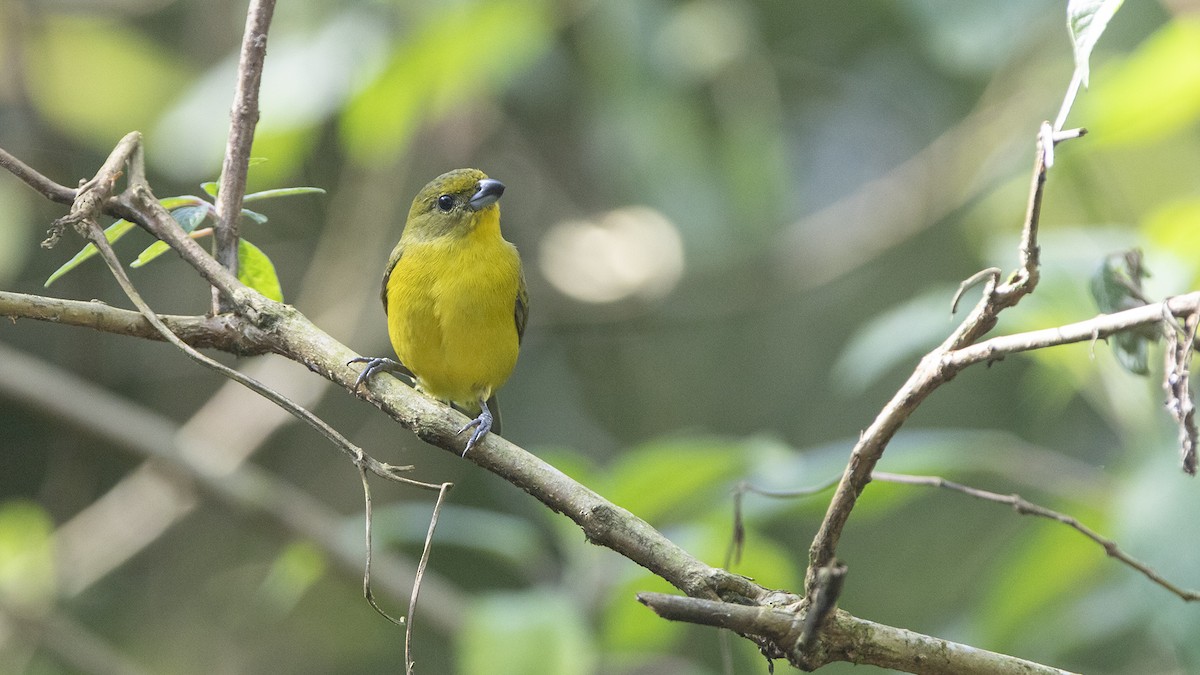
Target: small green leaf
172	203
210	188
1086	20
282	192
190	217
257	271
111	233
150	253
254	215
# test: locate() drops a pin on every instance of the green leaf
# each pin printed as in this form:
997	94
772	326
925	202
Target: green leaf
27	569
282	192
254	215
494	41
111	233
172	203
1116	286
190	217
257	271
71	58
150	253
1153	93
1086	20
669	478
210	188
532	633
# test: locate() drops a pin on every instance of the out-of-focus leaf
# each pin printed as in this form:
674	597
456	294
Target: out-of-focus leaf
257	271
899	335
1086	20
312	70
493	41
1175	227
282	192
298	567
539	632
74	59
111	233
1050	564
654	479
210	188
1152	94
627	626
26	555
1116	286
506	538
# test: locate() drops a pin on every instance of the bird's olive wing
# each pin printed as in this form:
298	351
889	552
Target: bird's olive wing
521	309
387	273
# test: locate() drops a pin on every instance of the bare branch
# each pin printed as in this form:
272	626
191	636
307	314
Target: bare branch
226	332
242	119
845	638
1082	331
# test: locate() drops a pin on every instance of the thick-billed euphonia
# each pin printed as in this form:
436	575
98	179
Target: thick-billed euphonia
455	297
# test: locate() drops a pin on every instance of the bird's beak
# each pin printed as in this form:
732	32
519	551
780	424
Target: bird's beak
489	193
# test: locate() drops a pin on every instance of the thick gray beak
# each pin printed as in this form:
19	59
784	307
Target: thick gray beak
488	194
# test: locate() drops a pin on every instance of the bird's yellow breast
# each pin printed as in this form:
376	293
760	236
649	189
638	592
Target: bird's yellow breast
450	312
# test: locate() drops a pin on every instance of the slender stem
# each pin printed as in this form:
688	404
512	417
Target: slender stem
242	119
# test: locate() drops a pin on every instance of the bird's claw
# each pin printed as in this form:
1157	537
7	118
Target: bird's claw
374	365
482	425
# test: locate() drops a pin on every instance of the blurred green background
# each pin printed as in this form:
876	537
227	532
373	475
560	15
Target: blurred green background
742	223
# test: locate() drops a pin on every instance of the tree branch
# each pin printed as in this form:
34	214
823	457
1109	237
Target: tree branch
226	332
844	638
242	119
933	370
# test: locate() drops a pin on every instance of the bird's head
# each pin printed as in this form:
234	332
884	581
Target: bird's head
454	203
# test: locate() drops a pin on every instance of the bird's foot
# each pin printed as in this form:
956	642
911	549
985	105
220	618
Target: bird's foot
376	365
481	424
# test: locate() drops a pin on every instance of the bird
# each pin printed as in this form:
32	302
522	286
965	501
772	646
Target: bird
455	297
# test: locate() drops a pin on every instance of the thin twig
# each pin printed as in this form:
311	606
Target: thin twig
1027	508
48	188
242	119
368	520
412	601
733	554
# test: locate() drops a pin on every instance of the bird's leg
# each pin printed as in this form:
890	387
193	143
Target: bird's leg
482	425
375	365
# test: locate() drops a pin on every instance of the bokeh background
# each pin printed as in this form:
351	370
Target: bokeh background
742	223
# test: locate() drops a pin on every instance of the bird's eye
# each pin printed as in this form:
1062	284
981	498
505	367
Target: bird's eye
445	203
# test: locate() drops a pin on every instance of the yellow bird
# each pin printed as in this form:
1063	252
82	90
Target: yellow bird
455	298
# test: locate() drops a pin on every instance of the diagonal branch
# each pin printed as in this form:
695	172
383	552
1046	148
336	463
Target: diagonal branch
933	371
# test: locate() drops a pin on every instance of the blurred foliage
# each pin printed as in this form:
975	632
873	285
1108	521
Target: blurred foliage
772	201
